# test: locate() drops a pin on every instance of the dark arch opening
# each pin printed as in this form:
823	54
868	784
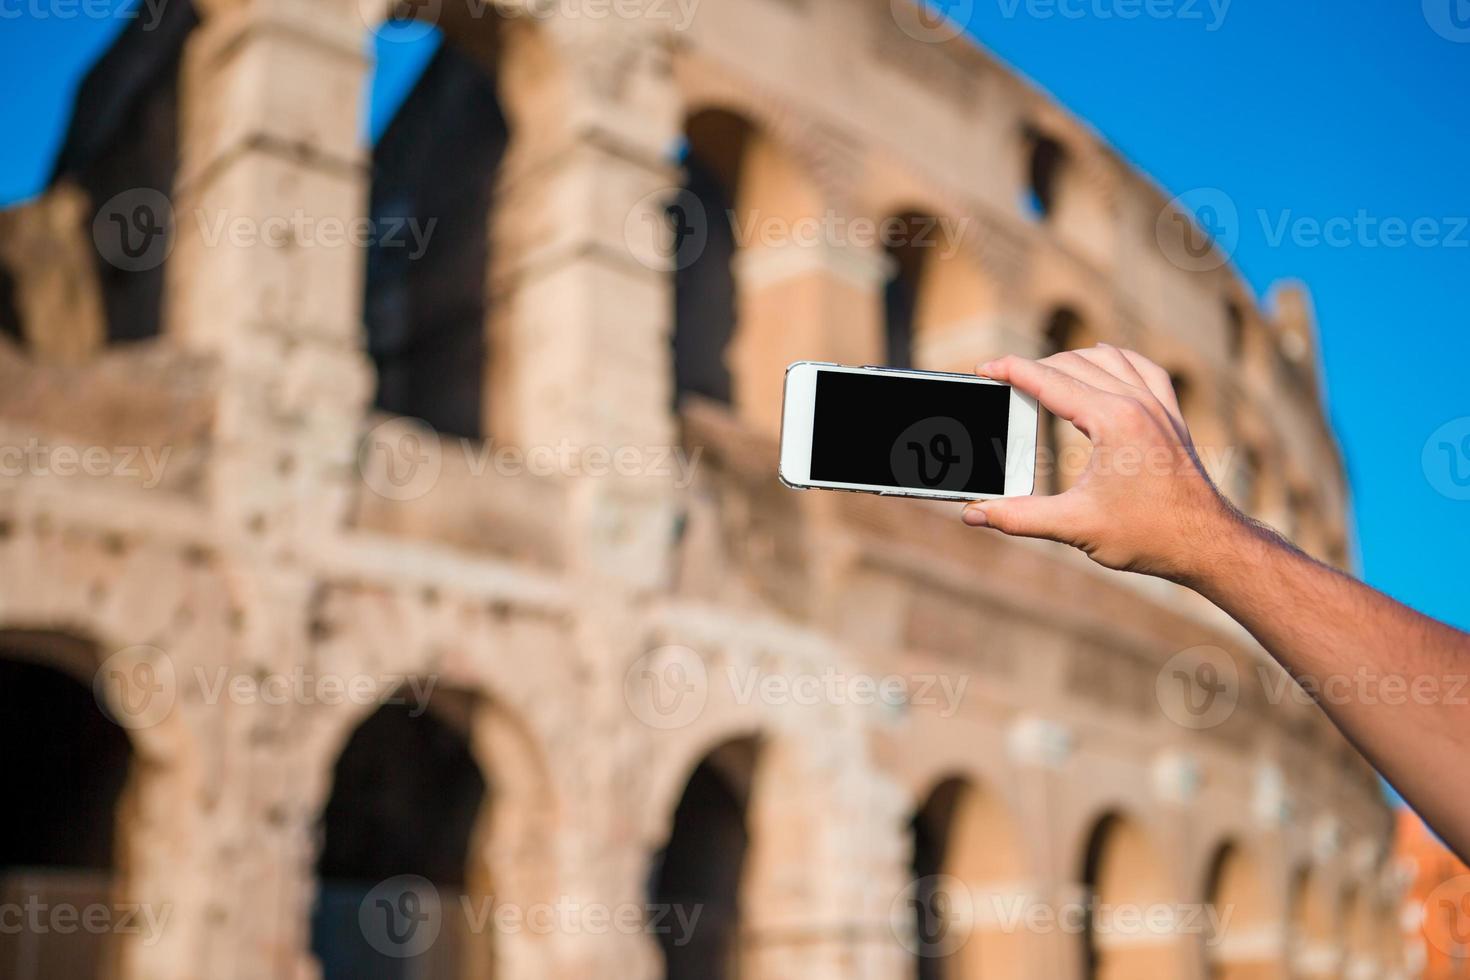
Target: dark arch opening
704	247
701	868
406	795
64	770
1092	860
10	322
1234	329
434	176
901	293
1043	170
931	828
122	148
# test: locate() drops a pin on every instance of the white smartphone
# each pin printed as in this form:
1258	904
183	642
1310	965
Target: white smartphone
905	433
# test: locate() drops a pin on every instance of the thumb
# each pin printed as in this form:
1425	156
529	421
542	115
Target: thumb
1027	517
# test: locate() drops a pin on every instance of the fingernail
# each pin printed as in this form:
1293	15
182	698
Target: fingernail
975	517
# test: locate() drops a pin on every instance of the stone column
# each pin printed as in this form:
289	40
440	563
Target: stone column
265	275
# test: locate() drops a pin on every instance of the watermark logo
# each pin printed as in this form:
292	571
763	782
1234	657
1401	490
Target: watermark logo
1446	459
934	916
1210	14
1446	916
401	917
401	459
932	21
667	688
936	453
136	687
1199	230
1450	19
133	231
1198	688
667	231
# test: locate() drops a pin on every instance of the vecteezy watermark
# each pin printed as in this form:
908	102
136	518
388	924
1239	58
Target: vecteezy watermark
140	686
136	230
36	915
404	916
1445	916
668	688
932	21
35	458
1198	688
1201	229
936	453
1210	14
402	459
1450	19
412	20
669	230
149	12
936	915
1446	459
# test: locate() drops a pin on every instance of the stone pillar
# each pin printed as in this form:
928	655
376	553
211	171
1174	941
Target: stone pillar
580	339
265	275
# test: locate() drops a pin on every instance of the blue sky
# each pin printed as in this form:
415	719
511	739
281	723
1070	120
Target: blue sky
1300	112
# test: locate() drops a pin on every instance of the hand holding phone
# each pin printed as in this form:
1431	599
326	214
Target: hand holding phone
905	433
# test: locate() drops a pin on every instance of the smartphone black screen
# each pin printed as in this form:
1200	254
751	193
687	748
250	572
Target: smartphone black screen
910	433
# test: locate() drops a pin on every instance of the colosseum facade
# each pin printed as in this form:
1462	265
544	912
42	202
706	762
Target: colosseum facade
348	631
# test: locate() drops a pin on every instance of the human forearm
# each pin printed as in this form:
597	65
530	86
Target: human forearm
1395	682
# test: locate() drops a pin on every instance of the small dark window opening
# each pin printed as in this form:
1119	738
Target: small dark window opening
705	305
701	868
1234	329
10	323
434	176
122	148
406	794
1044	175
901	294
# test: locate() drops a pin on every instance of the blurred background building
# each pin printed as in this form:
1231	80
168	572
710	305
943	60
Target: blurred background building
308	662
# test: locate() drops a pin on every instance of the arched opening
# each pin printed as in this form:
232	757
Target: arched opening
1241	940
1069	449
1314	950
434	175
1234	330
704	864
122	149
704	248
65	767
1045	161
901	292
396	840
10	323
964	839
936	298
1125	885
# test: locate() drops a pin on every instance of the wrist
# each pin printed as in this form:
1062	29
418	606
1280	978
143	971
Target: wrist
1227	550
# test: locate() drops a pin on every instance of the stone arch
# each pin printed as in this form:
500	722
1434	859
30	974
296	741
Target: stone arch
1314	950
965	838
1242	942
65	769
1065	327
11	326
1121	869
428	286
775	281
937	298
480	836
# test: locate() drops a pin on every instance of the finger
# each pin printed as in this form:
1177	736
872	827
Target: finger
1075	363
1158	382
1057	518
1110	359
1061	394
